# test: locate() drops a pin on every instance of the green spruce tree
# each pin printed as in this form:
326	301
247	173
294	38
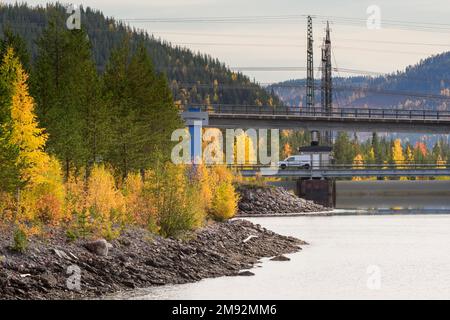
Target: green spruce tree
67	91
144	114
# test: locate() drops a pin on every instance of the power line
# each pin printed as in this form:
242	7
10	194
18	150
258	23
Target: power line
289	68
396	24
423	95
278	45
264	18
336	20
253	36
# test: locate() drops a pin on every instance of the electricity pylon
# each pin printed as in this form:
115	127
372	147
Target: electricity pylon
310	67
327	85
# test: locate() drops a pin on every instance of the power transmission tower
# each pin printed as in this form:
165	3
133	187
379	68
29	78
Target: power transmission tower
327	85
310	67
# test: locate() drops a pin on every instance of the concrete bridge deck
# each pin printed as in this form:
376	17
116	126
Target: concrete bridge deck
337	119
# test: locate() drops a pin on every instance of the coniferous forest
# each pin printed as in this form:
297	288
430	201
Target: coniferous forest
192	77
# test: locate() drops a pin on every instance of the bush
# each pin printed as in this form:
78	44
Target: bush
7	207
224	204
81	225
224	197
176	200
75	187
42	199
206	186
139	206
169	200
104	202
20	240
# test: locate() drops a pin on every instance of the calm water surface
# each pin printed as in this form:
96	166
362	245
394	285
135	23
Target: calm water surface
410	255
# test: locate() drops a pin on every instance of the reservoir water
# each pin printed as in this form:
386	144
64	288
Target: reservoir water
394	255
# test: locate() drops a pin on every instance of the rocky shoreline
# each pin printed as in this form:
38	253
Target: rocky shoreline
51	266
275	201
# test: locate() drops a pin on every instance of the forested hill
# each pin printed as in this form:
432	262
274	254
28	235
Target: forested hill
410	88
193	77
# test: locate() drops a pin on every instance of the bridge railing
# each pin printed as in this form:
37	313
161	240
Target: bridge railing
352	166
366	113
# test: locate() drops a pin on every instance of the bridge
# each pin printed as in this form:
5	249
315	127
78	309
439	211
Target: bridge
335	119
347	171
318	182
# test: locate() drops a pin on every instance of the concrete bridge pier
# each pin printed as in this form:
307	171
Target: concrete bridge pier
195	120
321	191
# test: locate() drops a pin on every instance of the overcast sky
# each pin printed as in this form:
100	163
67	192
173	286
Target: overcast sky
282	43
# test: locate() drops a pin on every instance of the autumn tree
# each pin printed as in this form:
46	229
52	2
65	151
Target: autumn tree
358	163
287	150
26	134
420	152
371	158
409	155
21	138
397	152
37	175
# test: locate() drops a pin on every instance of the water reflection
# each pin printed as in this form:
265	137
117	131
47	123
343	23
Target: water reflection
394	196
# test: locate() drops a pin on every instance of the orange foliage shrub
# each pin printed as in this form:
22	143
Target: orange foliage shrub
139	206
105	202
42	199
8	207
224	197
75	186
205	181
224	204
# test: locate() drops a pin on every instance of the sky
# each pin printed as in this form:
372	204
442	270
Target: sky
410	30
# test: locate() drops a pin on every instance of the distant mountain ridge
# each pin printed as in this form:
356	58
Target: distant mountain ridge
194	77
407	89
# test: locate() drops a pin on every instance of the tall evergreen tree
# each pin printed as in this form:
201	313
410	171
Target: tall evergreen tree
67	93
377	149
14	41
144	114
343	149
9	173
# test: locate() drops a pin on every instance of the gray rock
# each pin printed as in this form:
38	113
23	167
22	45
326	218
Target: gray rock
246	274
280	258
99	247
49	280
61	254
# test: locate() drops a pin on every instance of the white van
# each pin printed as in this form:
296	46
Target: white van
302	161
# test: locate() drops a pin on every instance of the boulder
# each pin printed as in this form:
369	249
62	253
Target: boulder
246	274
99	247
280	258
49	280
